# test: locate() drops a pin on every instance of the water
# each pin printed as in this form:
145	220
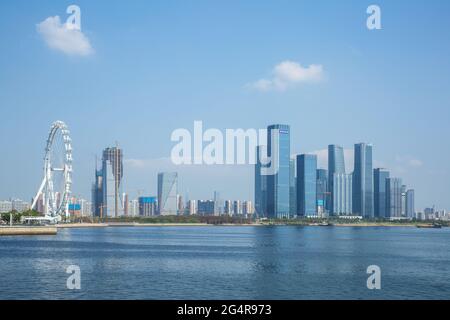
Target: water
228	263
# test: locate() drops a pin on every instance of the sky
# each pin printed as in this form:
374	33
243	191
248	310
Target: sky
138	70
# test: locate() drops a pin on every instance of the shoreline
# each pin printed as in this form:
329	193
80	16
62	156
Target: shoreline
140	225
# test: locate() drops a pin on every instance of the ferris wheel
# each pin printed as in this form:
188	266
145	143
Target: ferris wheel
54	192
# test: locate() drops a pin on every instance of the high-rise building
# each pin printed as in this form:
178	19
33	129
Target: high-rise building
167	193
237	207
410	207
363	181
133	208
394	197
306	185
147	206
97	193
218	204
260	186
247	208
192	207
228	207
336	165
279	149
106	191
342	194
322	191
404	189
6	206
293	187
379	192
205	207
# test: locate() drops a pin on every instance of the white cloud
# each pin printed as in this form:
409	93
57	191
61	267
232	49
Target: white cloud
60	37
288	74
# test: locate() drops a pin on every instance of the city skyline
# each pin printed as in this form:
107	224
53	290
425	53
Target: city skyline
136	77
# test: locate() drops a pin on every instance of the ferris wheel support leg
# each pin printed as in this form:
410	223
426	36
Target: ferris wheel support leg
36	198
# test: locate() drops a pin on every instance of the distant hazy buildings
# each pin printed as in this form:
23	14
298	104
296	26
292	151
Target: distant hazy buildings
379	193
14	205
147	206
306	185
167	193
278	142
363	181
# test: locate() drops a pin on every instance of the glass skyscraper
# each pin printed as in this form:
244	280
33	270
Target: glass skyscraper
342	194
306	185
293	188
379	192
278	139
107	189
394	197
260	187
363	181
336	165
167	193
322	190
410	211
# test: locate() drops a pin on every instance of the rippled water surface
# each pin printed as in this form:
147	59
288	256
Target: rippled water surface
228	263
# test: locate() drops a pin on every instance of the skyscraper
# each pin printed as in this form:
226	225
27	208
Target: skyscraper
279	148
342	194
167	193
306	185
147	206
260	187
363	181
379	193
410	208
292	188
322	190
336	164
107	188
394	197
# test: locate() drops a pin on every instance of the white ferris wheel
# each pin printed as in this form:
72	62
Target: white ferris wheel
54	192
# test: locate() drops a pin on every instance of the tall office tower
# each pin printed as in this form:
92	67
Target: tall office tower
322	191
279	149
410	210
293	187
306	185
403	214
379	192
363	181
394	197
228	208
167	193
336	164
218	204
112	174
125	203
342	194
260	186
97	193
147	206
180	205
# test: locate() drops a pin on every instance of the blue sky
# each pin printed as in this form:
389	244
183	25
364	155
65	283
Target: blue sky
158	66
